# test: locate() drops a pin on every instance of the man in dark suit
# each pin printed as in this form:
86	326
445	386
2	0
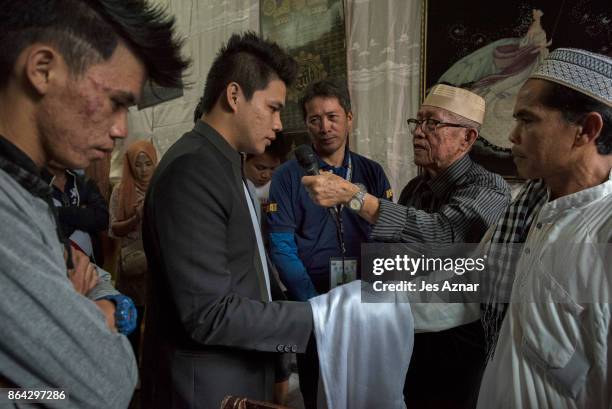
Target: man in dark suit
211	328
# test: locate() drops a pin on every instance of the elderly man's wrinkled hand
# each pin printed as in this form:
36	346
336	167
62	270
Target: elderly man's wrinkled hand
329	190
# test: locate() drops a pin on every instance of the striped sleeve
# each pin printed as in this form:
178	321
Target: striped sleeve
465	218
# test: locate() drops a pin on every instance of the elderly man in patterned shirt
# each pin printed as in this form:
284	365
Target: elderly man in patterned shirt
454	201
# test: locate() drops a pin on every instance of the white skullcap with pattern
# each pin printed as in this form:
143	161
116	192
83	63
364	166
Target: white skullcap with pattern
583	71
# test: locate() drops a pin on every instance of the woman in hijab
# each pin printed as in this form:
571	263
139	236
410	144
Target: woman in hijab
126	206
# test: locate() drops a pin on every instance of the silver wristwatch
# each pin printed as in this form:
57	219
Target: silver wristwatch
356	202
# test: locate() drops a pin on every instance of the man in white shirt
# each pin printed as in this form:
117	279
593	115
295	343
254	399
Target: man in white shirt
553	347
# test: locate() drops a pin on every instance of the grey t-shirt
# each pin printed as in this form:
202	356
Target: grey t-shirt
52	337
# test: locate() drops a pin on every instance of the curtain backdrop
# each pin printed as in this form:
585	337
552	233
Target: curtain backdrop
383	46
206	25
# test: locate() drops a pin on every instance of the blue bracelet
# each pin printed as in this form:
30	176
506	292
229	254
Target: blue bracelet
125	313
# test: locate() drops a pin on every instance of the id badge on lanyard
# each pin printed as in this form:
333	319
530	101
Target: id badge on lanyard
342	270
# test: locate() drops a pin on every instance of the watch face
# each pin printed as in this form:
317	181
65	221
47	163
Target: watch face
355	204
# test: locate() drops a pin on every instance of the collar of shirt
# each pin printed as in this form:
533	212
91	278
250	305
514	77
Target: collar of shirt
69	196
25	172
341	170
23	169
202	128
17	156
219	142
450	176
575	201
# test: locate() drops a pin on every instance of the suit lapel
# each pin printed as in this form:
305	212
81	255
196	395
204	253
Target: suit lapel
235	159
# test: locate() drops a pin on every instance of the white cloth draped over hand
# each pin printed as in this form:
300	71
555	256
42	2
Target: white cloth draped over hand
364	347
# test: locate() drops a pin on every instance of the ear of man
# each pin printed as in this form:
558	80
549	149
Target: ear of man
233	93
42	65
470	137
349	120
589	129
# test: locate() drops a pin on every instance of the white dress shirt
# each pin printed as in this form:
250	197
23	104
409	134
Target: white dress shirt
554	346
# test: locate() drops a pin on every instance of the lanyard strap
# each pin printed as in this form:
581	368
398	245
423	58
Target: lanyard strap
349	171
338	212
348	177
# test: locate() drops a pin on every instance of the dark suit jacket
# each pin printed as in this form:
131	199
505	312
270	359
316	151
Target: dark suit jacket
207	332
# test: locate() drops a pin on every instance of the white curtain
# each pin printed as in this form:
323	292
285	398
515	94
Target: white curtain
206	24
383	46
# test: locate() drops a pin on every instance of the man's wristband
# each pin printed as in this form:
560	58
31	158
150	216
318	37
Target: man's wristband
125	313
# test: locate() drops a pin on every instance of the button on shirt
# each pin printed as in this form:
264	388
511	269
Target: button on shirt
554	341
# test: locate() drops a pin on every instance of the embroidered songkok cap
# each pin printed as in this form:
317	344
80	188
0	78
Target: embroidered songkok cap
583	71
457	100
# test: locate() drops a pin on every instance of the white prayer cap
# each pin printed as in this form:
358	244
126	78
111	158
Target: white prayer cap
458	101
583	71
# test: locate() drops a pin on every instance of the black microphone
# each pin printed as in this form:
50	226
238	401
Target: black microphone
307	159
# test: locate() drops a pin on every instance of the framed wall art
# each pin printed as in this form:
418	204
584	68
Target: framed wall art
313	32
491	48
